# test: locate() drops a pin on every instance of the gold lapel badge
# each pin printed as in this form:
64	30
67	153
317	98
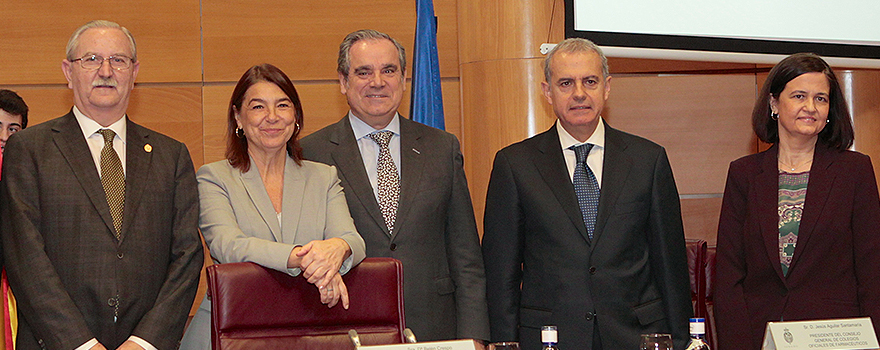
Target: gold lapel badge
148	148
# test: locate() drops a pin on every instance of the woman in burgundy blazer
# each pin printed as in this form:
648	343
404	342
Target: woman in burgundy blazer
799	234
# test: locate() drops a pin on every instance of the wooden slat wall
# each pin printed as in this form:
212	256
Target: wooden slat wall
703	121
193	51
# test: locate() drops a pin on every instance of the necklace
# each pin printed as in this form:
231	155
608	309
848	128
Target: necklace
786	166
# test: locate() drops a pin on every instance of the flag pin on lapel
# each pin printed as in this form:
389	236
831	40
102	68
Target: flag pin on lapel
148	148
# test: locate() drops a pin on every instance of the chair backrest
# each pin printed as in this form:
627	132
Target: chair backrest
253	307
696	256
711	333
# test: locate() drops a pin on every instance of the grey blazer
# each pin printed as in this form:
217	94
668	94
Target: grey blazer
239	223
435	235
65	265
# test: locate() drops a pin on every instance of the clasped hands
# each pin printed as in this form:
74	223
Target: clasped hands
320	262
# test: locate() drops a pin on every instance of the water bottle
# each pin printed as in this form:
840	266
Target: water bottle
698	335
548	337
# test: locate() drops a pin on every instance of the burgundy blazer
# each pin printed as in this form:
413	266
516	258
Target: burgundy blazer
834	272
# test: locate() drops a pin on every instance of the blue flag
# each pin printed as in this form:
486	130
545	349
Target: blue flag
427	97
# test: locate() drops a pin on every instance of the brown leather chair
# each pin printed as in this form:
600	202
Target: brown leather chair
711	334
696	255
253	307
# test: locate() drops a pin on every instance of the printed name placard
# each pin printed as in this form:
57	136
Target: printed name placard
434	345
836	334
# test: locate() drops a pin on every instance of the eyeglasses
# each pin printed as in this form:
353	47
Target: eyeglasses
93	62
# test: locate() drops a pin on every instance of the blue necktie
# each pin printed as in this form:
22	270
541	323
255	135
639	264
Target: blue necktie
586	187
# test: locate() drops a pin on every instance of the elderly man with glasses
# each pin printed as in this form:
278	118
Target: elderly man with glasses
100	214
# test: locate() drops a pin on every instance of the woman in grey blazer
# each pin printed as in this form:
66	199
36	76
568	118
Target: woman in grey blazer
267	205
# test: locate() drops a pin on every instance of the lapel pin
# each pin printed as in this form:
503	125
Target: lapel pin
417	151
148	148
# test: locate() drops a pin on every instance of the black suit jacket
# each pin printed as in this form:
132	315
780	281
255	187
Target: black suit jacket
632	278
435	234
65	265
834	271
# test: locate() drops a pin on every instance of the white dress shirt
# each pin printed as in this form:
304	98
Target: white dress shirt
597	153
370	149
96	140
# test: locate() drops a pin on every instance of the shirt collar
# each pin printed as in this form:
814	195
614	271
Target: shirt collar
362	129
89	127
597	138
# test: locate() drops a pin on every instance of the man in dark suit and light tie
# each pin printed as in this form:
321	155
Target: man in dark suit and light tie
583	224
406	190
100	214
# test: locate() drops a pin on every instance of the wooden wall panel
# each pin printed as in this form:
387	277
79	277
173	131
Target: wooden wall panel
499	109
323	104
700	217
216	100
173	111
302	37
619	65
493	30
35	35
703	121
863	88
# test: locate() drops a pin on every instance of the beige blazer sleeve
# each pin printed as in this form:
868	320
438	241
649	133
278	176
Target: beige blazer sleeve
239	222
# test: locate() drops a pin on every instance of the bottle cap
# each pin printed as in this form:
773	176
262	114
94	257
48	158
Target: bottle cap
548	334
698	326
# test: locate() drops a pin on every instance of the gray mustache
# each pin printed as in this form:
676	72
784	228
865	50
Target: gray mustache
104	82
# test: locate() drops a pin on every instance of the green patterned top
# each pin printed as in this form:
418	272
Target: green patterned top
792	192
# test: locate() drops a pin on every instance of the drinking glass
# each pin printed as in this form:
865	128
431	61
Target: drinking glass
656	341
508	345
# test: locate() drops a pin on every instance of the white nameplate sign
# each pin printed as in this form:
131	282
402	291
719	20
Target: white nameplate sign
836	334
434	345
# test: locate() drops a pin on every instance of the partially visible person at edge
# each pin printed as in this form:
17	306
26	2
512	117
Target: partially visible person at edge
799	233
266	205
100	214
13	118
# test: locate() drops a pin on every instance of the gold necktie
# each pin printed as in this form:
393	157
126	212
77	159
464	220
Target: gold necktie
113	180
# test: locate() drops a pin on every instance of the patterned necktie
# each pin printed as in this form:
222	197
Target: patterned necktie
113	179
586	187
389	179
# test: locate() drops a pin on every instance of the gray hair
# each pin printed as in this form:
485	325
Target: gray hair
575	45
343	63
73	43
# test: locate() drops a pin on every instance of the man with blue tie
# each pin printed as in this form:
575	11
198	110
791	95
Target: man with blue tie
583	224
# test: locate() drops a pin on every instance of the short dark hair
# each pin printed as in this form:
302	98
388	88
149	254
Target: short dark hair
236	147
343	62
837	134
14	104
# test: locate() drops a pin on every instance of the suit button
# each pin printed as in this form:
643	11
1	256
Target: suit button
592	270
590	316
111	301
393	246
119	255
